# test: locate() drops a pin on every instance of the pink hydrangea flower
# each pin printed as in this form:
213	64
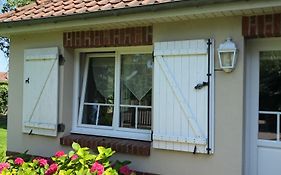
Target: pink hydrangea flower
59	154
4	166
42	162
19	161
97	167
74	157
52	169
125	170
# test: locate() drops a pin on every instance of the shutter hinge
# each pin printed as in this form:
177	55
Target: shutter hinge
209	42
30	132
151	135
195	149
61	127
61	60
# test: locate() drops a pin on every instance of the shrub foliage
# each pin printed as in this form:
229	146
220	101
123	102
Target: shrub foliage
3	98
79	161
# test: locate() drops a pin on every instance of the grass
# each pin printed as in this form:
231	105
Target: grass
3	136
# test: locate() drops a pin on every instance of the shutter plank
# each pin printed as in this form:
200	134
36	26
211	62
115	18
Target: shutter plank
177	111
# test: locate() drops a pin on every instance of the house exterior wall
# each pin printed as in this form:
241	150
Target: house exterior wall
228	156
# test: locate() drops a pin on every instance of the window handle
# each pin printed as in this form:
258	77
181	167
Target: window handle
201	85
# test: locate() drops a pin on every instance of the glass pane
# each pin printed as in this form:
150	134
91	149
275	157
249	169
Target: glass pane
267	127
280	130
99	91
90	114
105	115
100	82
270	81
136	79
127	117
144	118
226	58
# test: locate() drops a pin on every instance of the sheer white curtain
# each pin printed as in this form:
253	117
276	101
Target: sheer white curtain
137	74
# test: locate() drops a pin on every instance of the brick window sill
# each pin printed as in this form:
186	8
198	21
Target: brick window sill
133	147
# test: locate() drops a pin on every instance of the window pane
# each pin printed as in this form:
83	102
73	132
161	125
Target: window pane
270	81
136	91
267	127
144	118
136	79
99	95
97	115
127	117
90	114
100	82
105	115
280	130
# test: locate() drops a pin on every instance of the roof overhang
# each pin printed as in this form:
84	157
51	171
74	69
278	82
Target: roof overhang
144	15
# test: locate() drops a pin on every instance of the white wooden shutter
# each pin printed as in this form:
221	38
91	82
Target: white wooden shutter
180	111
40	91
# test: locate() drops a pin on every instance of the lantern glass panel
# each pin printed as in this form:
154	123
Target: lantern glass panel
226	58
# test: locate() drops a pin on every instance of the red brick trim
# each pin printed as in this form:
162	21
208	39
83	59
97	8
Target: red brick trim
261	26
127	146
134	36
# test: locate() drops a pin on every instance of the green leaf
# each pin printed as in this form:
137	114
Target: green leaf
126	162
80	153
101	149
75	146
82	161
90	157
71	153
100	157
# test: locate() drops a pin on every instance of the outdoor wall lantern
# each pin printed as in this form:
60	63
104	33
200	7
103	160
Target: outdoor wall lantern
227	52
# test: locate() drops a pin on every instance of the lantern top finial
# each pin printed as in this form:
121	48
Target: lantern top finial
227	46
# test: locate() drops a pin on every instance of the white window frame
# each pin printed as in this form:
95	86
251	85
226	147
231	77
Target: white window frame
114	130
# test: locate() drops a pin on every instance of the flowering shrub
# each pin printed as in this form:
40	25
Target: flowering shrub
79	161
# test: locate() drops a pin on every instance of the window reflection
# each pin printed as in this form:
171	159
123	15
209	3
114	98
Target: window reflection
269	95
136	91
99	97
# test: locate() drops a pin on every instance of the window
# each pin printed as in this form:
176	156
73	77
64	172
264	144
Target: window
115	94
270	96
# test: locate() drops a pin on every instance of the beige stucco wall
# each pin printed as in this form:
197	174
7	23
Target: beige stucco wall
228	102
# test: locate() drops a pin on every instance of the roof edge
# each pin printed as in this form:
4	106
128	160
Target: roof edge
116	12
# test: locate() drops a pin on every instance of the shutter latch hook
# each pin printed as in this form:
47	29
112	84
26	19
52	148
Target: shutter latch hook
201	85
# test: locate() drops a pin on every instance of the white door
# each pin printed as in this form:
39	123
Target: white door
263	107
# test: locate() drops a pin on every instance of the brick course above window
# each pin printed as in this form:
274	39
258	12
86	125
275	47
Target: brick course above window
141	148
134	36
261	26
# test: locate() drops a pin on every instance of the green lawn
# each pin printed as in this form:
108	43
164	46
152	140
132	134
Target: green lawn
3	135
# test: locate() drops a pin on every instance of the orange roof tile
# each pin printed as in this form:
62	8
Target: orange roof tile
55	8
